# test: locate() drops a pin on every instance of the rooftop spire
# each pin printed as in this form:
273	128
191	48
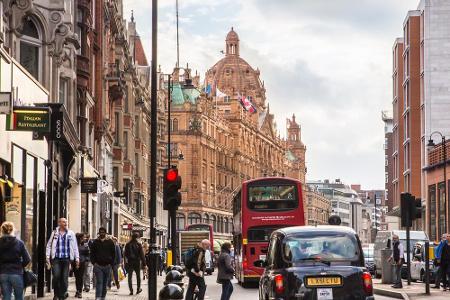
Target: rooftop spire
132	16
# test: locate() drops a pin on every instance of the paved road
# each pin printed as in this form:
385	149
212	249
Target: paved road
212	293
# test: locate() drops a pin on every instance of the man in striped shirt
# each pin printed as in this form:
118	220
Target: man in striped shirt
62	248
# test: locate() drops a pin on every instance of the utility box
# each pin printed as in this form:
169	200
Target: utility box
387	269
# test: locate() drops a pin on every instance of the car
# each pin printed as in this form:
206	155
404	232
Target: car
418	267
314	262
368	258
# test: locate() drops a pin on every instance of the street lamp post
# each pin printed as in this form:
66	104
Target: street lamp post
444	161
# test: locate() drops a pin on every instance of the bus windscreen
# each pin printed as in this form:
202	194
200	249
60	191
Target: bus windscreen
260	234
272	197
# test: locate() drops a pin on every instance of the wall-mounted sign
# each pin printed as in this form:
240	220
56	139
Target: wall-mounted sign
29	119
57	123
5	103
89	184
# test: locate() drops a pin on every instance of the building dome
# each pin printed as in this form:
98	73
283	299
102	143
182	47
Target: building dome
232	35
232	75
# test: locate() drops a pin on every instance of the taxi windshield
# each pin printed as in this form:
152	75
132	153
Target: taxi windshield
320	246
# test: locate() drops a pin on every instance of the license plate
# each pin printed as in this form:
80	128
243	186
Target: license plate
323	281
262	257
325	294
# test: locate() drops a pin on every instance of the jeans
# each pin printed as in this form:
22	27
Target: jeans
136	267
193	282
87	276
398	274
115	275
60	270
227	289
443	269
102	276
10	283
79	276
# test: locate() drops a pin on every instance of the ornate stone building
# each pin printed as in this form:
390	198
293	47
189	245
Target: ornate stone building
222	143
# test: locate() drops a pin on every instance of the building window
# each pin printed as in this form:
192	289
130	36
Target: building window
194	218
442	208
214	223
116	128
116	178
432	221
136	126
63	92
136	163
181	221
174	125
125	144
30	48
206	219
226	99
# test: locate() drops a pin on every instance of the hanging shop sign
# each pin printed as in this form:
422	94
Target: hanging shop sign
35	119
89	184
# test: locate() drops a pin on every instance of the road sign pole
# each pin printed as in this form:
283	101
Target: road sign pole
427	268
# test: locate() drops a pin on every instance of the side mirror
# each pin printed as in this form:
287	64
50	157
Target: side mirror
260	263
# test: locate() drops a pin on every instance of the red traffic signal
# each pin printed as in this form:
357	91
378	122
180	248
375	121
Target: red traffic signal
171	175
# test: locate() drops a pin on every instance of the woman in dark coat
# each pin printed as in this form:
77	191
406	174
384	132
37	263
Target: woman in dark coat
226	271
13	259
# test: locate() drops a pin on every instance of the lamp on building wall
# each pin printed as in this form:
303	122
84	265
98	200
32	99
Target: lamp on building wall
431	146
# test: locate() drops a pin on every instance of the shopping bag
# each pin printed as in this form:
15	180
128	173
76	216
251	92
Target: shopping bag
121	274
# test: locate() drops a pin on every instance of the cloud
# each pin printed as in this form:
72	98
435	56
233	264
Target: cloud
329	62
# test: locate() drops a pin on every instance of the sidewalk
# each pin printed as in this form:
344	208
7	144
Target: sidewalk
113	294
414	291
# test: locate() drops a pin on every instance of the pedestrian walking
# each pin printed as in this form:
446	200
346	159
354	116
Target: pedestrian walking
445	262
116	265
87	277
103	253
196	266
13	259
162	259
441	275
134	260
225	271
84	252
397	259
62	248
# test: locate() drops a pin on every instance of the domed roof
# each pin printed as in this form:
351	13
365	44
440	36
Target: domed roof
232	75
232	35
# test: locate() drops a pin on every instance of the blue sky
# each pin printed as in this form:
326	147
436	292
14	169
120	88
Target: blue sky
327	61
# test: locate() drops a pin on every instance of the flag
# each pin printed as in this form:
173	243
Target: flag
246	103
220	94
208	89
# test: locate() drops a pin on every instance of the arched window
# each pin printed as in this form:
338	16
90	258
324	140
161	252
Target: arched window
206	219
226	229
181	221
30	48
214	223
194	218
175	125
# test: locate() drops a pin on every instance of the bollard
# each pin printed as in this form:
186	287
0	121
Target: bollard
427	268
174	277
171	291
169	268
178	268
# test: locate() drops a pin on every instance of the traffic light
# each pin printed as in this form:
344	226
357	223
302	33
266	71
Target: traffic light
417	209
406	203
171	187
410	209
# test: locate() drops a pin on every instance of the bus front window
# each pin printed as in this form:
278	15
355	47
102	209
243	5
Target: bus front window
272	197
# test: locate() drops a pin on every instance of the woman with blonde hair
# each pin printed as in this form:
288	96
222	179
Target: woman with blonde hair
13	260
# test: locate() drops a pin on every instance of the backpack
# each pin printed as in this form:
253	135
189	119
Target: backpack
188	258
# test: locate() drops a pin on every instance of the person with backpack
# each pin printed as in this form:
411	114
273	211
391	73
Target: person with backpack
196	266
13	259
226	271
134	259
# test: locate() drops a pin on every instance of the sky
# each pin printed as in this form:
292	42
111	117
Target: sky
327	61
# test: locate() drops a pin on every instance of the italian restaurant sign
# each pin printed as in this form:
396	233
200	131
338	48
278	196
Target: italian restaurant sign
35	119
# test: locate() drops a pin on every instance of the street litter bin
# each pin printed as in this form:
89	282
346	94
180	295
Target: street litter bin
171	292
387	269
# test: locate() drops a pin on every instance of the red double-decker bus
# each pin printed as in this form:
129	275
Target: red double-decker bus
260	207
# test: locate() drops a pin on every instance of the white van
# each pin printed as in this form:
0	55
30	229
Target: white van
384	240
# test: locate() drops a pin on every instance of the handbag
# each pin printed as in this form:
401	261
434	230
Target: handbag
29	278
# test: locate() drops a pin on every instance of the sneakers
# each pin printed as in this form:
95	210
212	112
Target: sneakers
131	293
139	290
78	295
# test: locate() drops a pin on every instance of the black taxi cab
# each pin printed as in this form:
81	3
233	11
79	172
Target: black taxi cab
317	263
